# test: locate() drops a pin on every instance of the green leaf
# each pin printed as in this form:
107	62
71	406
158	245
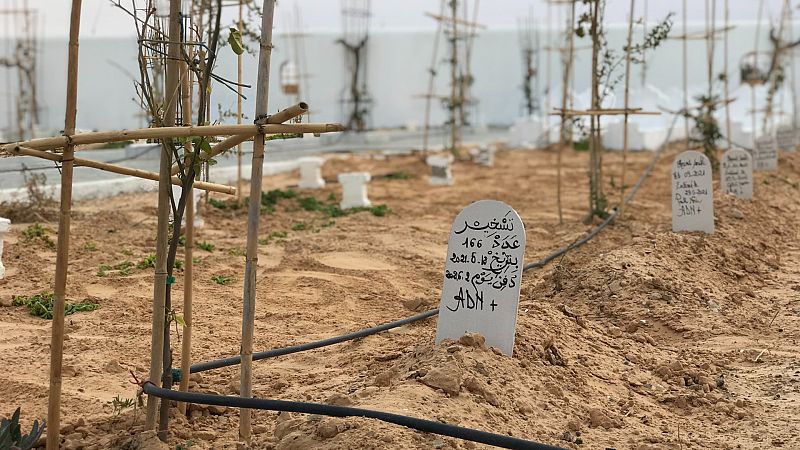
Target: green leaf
179	320
235	40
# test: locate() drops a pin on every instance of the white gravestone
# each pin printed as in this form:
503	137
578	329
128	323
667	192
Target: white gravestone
197	195
786	137
441	175
765	157
484	155
5	226
736	174
311	173
692	194
354	190
483	273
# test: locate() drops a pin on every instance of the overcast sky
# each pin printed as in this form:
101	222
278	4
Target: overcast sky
100	18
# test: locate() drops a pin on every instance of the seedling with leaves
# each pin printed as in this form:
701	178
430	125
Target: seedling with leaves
11	436
605	77
41	305
221	279
121	404
37	232
203	245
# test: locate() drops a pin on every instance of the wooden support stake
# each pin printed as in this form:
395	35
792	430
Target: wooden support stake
253	215
169	132
62	250
627	107
570	55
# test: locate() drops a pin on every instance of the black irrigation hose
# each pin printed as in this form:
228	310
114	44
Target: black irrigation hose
427	426
235	360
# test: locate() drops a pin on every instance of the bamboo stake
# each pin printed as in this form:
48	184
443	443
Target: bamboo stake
726	81
564	105
253	214
164	191
432	78
454	78
168	132
685	78
239	110
280	117
80	162
627	105
62	253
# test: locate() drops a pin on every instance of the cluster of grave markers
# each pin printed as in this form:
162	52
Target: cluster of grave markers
692	189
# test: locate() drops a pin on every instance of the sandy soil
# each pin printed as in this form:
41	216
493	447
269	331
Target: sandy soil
643	339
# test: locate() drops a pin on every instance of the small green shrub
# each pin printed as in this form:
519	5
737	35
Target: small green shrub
203	245
299	226
275	235
41	305
38	232
221	279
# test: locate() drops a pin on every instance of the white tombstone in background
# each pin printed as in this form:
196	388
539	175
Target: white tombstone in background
441	174
765	157
614	136
5	226
528	132
692	193
786	137
311	172
736	173
483	273
354	190
197	195
484	155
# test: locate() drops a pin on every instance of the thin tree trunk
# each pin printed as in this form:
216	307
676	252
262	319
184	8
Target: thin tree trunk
160	286
253	215
62	252
239	110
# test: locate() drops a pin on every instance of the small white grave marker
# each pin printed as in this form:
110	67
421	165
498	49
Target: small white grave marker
483	272
311	173
692	194
354	190
765	157
786	137
441	175
484	155
198	194
736	175
5	226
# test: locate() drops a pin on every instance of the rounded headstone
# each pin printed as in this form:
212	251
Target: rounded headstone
483	272
692	194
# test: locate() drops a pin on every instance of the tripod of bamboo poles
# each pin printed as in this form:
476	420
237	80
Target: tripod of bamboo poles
21	57
596	111
355	38
528	37
709	35
782	44
461	79
44	148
